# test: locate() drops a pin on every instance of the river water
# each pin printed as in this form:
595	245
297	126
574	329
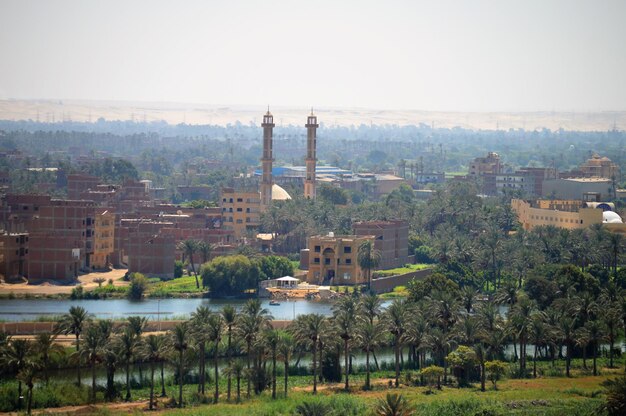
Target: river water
30	309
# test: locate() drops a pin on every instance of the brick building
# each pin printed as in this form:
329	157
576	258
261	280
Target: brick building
14	255
391	240
333	259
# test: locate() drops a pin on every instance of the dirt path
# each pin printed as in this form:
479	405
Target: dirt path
90	409
50	287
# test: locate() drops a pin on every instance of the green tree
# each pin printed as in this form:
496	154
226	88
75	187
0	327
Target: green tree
344	312
190	247
28	376
215	327
285	349
73	323
16	357
368	258
463	359
230	275
45	346
396	319
154	350
271	340
230	318
495	370
179	339
138	285
93	349
369	337
127	344
308	330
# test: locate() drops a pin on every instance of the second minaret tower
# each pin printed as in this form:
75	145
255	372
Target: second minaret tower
311	143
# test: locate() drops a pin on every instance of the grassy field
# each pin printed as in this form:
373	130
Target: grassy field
401	270
546	395
168	288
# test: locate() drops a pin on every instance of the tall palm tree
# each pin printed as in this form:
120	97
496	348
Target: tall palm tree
252	319
199	328
416	336
16	357
271	339
616	246
138	324
520	317
189	247
236	369
440	343
308	329
567	336
611	318
205	250
395	319
154	350
481	356
127	343
344	312
73	323
596	334
28	375
468	298
369	336
370	307
537	335
285	349
229	314
45	346
368	258
180	342
215	327
93	348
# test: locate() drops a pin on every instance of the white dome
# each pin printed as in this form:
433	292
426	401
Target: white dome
611	217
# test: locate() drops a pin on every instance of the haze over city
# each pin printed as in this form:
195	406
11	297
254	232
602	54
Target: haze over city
422	55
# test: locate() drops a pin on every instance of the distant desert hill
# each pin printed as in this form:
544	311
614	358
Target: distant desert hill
175	113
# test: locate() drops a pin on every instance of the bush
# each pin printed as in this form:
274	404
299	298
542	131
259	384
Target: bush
77	293
495	370
178	269
615	395
138	284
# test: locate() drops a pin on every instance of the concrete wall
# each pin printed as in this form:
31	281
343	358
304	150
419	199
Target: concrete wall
386	284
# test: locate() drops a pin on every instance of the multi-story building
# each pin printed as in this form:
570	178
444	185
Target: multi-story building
569	214
333	259
490	164
77	183
578	188
14	255
600	167
151	250
103	239
391	239
241	212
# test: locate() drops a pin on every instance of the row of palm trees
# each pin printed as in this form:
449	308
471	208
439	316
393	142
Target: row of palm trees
424	331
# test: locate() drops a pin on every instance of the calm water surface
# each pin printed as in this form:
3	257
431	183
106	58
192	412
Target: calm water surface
30	309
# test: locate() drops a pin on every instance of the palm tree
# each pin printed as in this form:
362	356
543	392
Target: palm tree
127	343
236	369
393	405
611	318
215	327
567	335
205	250
370	307
271	339
616	245
73	323
93	350
154	349
45	346
468	329
481	356
596	334
538	334
395	319
416	336
199	327
252	320
468	298
138	324
520	317
369	336
308	329
180	342
28	375
344	312
189	248
230	318
440	342
16	356
285	349
368	258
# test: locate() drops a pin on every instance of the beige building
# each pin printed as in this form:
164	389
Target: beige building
569	214
103	240
601	167
490	164
241	212
333	259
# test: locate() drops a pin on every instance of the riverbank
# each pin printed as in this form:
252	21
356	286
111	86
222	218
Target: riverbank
55	289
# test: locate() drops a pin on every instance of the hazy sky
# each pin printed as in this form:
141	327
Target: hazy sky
481	55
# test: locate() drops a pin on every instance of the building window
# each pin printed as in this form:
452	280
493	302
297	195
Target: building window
326	261
347	249
346	276
239	209
247	219
239	199
317	249
239	221
348	261
316	260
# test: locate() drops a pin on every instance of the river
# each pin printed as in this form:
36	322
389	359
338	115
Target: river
12	310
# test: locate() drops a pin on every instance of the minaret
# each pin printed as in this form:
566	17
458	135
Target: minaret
266	160
311	143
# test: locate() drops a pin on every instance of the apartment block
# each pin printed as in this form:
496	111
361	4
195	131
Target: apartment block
333	259
241	212
391	240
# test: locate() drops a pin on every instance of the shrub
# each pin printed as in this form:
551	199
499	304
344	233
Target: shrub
77	293
138	283
432	374
495	370
615	395
178	269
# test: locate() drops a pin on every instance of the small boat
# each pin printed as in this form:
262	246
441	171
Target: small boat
274	302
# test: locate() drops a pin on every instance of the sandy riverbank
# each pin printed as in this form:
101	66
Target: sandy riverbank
50	287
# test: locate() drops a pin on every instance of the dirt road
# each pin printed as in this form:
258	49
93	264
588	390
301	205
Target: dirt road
50	287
